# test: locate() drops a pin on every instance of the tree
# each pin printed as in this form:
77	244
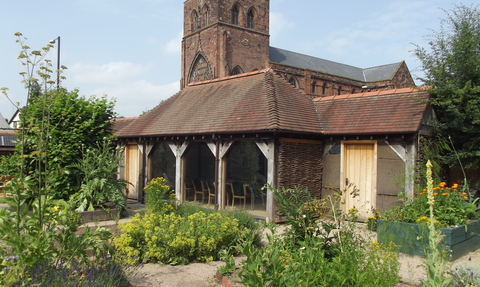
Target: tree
59	126
451	68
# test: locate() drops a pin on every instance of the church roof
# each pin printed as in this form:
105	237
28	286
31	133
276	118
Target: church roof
258	101
396	111
302	61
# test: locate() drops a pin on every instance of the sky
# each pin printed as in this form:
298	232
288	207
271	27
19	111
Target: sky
129	50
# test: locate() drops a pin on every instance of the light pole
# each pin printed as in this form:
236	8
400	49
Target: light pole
58	59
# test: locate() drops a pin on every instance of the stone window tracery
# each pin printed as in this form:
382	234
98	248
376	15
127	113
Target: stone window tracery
236	70
200	70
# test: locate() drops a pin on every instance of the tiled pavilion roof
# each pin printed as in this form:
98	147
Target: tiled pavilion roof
381	112
258	101
262	102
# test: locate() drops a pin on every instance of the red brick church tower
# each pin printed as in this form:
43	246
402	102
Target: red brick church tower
224	37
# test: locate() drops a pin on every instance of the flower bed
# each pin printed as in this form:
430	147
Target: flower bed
412	238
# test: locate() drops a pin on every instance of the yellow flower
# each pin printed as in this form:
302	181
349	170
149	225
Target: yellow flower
466	197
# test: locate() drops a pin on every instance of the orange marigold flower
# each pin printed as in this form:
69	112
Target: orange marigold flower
442	184
424	189
455	185
466	197
436	193
422	193
445	193
411	194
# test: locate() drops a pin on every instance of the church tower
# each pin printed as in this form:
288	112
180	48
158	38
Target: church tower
224	37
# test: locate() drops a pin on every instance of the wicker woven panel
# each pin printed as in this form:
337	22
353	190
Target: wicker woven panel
300	164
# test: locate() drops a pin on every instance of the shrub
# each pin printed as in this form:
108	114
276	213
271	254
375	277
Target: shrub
158	197
317	249
98	169
452	207
173	239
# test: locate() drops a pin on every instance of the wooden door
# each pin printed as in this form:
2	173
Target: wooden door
132	167
360	171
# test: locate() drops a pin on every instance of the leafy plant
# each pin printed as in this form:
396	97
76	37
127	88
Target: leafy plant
435	264
452	206
172	239
98	169
325	252
466	274
158	196
450	65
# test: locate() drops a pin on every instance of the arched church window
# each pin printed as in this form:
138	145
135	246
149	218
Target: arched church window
200	70
235	13
236	70
195	21
292	81
206	15
314	87
250	19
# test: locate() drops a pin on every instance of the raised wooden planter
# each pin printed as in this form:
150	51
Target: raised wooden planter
413	238
98	215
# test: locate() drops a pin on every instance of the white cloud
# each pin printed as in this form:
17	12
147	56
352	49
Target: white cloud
114	72
174	46
278	23
132	98
123	81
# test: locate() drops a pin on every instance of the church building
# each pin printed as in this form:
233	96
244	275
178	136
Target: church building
249	114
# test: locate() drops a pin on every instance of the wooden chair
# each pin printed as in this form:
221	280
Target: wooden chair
198	191
4	180
188	188
242	195
211	192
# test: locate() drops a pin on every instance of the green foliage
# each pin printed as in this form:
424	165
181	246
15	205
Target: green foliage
452	207
158	197
10	165
316	249
451	67
172	239
60	125
98	169
466	274
106	271
435	264
31	233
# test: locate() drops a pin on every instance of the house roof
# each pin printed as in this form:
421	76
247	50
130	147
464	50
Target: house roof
288	58
258	101
3	123
381	112
7	139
